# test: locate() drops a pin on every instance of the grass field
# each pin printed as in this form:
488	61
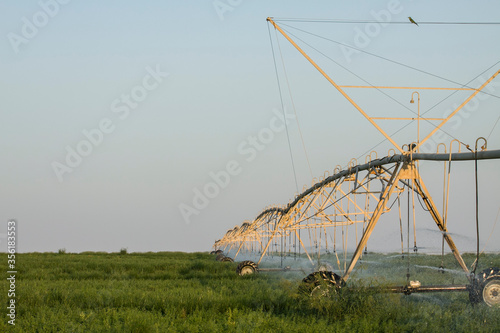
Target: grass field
191	292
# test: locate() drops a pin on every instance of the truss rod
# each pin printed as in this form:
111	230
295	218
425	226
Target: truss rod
458	108
413	88
335	85
468	156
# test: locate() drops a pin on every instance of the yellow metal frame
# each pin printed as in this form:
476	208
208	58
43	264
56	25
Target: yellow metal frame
345	198
371	119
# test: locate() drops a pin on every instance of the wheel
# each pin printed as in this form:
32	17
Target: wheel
489	283
321	283
227	259
486	288
218	251
220	256
246	267
491	292
324	267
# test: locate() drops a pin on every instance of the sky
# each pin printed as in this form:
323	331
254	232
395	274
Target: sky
158	125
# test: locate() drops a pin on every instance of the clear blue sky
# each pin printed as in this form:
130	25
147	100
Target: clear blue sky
67	68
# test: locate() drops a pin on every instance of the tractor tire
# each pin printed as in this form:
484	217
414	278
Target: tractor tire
489	286
227	259
220	256
321	283
247	267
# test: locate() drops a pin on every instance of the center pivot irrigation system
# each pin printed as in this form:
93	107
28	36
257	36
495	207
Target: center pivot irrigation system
359	195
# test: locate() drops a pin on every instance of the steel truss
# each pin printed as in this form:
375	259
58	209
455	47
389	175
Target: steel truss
358	195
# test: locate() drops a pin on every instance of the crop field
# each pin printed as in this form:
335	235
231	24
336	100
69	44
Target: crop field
192	292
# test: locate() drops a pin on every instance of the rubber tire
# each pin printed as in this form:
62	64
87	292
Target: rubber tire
227	259
320	283
491	292
247	267
489	282
486	288
220	256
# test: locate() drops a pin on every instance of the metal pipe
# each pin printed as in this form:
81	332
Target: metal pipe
407	290
467	156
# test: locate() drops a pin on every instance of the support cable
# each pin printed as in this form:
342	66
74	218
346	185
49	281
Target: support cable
392	98
283	109
293	106
384	58
495	125
348	21
379	89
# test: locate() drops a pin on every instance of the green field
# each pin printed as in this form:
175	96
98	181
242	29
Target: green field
191	292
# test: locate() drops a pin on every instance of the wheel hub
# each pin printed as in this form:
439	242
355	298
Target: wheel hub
491	293
247	270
